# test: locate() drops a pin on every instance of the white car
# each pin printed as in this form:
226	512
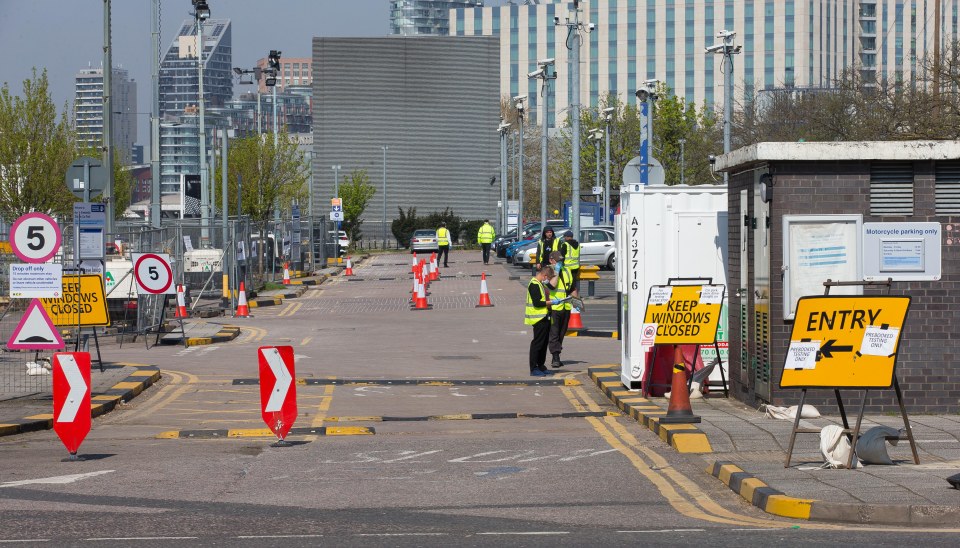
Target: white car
341	237
596	248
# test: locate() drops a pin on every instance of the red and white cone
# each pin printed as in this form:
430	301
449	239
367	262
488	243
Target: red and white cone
181	303
421	301
434	268
416	286
484	295
243	311
413	262
286	273
349	270
575	322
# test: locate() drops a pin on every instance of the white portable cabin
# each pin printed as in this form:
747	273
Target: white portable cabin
666	232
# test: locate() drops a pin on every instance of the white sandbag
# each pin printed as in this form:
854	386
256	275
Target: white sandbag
872	447
790	413
835	447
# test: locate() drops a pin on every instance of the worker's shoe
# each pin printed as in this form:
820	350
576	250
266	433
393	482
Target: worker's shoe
556	363
538	373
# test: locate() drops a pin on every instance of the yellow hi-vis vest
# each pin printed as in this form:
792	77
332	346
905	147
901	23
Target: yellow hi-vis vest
486	234
534	314
443	236
540	253
564	281
571	258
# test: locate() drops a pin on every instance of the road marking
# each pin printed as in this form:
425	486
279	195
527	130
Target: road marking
11	541
682	530
324	407
527	533
55	480
162	400
101	539
305	341
277	536
400	534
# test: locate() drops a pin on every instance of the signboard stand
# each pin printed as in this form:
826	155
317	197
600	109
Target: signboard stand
838	348
709	334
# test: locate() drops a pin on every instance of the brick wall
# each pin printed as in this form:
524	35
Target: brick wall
931	339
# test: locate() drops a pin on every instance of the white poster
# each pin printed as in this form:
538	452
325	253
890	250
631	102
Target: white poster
815	251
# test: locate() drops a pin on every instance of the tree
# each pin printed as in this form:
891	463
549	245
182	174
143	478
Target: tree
403	226
36	148
356	192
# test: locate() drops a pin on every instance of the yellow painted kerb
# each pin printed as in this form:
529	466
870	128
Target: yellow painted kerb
788	507
691	443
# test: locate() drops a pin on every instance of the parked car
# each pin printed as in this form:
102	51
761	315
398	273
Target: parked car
342	239
424	239
597	247
512	248
523	253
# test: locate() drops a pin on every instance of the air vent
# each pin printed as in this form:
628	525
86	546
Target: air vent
891	188
948	188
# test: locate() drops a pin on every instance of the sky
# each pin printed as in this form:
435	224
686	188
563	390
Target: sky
65	36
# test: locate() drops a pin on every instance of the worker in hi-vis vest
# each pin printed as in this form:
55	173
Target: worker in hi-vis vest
571	260
485	237
560	287
537	315
443	242
548	242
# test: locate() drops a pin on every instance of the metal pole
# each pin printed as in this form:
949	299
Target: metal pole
384	147
596	145
503	182
544	115
520	176
575	129
223	185
728	96
276	203
107	116
204	190
336	194
259	112
155	205
275	116
606	189
310	214
683	178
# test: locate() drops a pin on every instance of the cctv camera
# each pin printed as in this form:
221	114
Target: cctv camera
591	27
712	159
609	110
535	74
726	34
545	62
556	20
520	98
643	95
738	48
651	82
716	48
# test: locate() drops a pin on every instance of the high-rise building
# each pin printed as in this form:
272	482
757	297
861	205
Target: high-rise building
785	44
88	110
425	17
294	71
178	68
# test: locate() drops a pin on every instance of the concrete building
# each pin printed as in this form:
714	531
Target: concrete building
178	68
88	110
786	43
294	71
432	100
796	218
424	17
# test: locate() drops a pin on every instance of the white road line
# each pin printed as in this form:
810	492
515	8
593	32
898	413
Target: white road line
669	531
248	537
400	534
104	539
527	533
55	480
12	541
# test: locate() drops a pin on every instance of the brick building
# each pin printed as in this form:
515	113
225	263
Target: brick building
840	185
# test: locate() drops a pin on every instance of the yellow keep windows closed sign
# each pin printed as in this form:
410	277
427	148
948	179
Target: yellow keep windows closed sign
844	342
83	302
685	314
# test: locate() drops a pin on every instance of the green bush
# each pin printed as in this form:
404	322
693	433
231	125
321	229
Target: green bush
404	226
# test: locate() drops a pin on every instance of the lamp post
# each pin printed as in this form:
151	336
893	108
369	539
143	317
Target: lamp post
683	178
544	74
728	50
384	147
155	205
108	116
520	106
574	28
502	217
201	12
336	194
607	119
597	137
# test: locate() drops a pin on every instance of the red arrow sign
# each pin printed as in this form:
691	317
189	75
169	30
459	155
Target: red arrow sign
278	389
71	398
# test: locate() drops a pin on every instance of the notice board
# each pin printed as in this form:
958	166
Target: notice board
843	341
685	314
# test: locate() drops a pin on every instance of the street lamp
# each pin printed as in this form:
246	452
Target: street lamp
596	136
256	72
502	217
682	166
384	147
520	106
728	50
544	74
201	12
607	119
273	61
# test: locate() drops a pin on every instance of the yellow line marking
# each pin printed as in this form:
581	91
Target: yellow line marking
305	341
348	431
166	395
324	407
41	416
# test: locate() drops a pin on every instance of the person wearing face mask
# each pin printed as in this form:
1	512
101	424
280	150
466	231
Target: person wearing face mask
561	286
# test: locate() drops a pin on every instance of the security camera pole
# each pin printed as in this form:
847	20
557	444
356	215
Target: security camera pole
545	74
607	118
201	12
502	216
727	49
646	96
107	116
518	100
573	44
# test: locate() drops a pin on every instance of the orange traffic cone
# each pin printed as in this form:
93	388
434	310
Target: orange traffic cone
576	323
286	273
679	410
421	301
242	310
349	270
416	287
434	268
413	262
484	295
181	303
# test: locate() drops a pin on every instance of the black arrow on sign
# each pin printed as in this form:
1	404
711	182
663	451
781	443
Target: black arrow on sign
829	347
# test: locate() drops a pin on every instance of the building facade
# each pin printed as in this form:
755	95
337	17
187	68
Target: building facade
294	71
178	68
88	110
408	94
785	44
425	17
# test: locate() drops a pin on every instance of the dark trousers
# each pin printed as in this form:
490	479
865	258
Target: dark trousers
486	253
575	286
444	253
558	329
538	346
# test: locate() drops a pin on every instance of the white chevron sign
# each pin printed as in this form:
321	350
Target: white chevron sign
78	388
282	385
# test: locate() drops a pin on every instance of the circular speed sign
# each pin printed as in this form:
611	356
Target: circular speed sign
35	238
153	273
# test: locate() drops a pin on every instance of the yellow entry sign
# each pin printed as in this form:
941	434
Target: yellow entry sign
844	342
83	302
685	314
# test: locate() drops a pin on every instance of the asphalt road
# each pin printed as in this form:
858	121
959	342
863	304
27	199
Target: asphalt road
586	479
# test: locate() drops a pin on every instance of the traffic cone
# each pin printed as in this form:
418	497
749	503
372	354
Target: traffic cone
286	273
679	410
181	303
416	287
434	268
349	270
576	323
242	310
484	295
413	262
421	302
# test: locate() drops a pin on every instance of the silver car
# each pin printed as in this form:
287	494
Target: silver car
424	240
597	247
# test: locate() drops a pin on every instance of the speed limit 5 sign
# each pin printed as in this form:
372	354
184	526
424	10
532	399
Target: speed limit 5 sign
153	273
35	238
